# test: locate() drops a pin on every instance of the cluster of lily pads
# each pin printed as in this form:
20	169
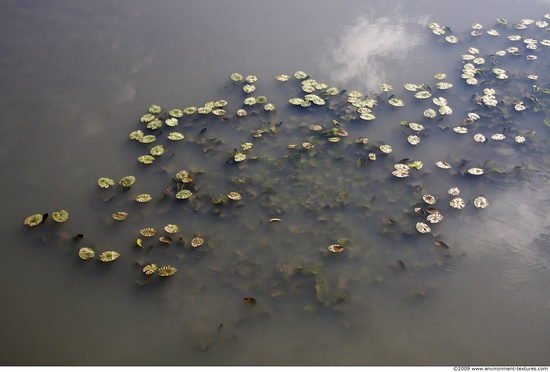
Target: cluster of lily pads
309	156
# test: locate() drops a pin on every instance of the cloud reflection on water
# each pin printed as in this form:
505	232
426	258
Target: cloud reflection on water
363	50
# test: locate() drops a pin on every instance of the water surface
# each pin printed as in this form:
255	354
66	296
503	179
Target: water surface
77	78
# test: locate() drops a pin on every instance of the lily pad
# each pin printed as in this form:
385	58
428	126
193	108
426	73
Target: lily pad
150	269
147	139
481	202
33	219
120	216
143	198
171	228
457	203
239	156
86	253
105	182
60	216
148	232
188	111
167	271
146	159
171	122
197	242
335	248
109	256
233	195
127	181
157	150
175	136
155	109
184	194
236	77
423	228
176	113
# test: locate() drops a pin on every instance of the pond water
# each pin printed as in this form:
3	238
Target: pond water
79	76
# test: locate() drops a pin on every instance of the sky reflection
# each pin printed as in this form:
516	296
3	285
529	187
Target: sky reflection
362	52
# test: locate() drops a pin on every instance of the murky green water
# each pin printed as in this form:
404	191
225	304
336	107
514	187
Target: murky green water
78	77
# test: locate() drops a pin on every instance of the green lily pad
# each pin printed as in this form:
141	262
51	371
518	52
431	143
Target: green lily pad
197	242
86	253
236	77
148	232
167	271
143	198
120	216
105	182
190	110
146	159
127	181
157	150
136	135
33	219
150	269
176	113
109	256
60	216
154	124
171	228
239	156
147	118
184	194
175	136
147	139
155	109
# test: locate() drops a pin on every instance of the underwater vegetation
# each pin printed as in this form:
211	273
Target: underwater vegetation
284	191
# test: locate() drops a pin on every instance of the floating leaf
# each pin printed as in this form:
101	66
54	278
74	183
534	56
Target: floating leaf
175	136
476	171
233	195
143	198
171	228
34	219
457	203
167	271
60	216
148	232
127	181
336	248
157	150
481	202
86	253
154	109
165	239
150	269
239	156
147	139
197	242
423	228
109	256
147	118
236	77
184	176
171	122
105	182
177	113
146	159
120	216
183	194
136	135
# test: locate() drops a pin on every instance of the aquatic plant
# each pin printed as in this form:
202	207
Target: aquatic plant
307	168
